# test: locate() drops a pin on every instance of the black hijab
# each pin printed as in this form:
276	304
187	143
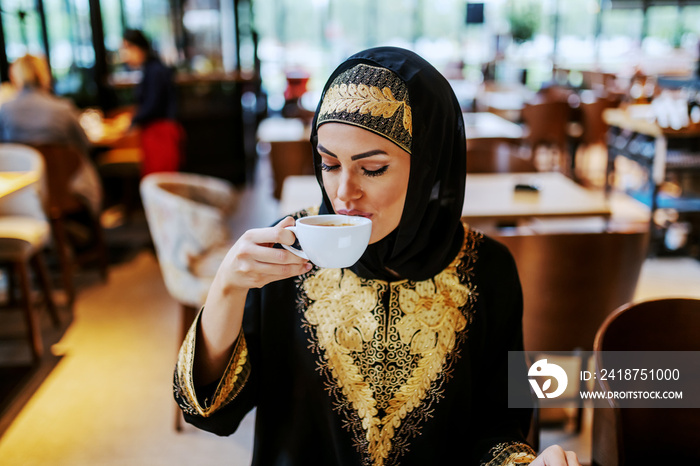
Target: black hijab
430	233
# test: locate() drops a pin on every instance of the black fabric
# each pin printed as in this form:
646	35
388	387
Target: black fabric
430	232
155	94
298	420
297	423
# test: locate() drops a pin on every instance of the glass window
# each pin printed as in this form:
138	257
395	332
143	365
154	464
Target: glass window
72	55
22	27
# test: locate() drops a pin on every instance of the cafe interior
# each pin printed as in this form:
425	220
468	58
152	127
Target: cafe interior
583	157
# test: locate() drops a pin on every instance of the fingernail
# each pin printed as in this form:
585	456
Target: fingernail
308	266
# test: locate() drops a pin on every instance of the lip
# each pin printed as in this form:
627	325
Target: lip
355	213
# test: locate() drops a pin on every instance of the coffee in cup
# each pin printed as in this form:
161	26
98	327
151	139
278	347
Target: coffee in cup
331	241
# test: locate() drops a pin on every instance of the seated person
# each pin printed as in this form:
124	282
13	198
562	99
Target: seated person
35	116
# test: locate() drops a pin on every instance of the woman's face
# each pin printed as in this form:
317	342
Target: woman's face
131	54
364	174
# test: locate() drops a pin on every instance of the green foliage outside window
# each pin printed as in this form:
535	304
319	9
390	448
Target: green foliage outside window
524	19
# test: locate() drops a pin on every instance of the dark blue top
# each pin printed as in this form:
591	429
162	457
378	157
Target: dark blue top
155	94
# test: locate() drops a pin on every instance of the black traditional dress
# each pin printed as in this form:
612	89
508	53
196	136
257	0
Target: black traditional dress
402	358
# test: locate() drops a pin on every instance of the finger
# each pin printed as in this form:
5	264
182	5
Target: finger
275	256
276	234
572	459
286	222
274	272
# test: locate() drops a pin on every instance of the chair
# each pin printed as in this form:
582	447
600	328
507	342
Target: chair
547	124
494	155
571	282
62	164
647	435
595	129
120	168
289	158
187	216
24	232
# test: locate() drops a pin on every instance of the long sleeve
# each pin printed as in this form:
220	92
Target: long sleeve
222	405
503	430
155	95
201	402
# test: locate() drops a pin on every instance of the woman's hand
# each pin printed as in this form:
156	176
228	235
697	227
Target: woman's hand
252	262
556	456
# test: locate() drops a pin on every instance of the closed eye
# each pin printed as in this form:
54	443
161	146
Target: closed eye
377	172
329	168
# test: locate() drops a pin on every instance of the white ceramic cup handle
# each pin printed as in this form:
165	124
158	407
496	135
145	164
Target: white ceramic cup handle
295	251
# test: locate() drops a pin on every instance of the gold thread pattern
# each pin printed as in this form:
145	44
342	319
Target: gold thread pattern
373	98
234	378
510	454
365	99
387	348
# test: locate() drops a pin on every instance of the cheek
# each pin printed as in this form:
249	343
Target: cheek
329	185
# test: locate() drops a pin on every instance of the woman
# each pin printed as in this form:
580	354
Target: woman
35	117
400	359
161	135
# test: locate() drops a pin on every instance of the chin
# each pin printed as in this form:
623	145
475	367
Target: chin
376	238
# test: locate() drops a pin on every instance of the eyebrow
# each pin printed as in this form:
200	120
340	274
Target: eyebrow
356	156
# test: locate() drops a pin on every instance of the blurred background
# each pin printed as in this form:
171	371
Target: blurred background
589	110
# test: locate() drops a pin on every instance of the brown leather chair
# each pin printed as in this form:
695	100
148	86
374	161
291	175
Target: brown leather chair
547	124
62	162
493	155
289	158
627	436
594	128
571	282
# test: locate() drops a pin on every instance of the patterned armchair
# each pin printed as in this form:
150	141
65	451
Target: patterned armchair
187	215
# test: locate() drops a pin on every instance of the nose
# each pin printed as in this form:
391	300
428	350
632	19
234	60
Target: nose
349	187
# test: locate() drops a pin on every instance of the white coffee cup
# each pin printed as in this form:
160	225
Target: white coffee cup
331	241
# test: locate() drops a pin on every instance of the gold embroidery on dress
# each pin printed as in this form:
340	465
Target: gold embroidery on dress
386	364
234	378
511	454
365	99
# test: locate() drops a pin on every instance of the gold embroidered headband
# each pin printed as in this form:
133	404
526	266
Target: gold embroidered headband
373	98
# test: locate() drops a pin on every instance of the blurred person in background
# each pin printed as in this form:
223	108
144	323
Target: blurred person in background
161	136
35	116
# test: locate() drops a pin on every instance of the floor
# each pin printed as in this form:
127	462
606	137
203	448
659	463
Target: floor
104	395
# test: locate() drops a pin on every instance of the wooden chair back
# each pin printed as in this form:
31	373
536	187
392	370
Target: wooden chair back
493	155
650	435
62	162
594	128
290	158
572	281
547	124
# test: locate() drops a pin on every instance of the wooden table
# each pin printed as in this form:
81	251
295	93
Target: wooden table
11	182
299	192
104	132
492	197
485	125
289	146
488	197
282	130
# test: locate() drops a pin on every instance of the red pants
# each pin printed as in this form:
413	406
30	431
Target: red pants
162	143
